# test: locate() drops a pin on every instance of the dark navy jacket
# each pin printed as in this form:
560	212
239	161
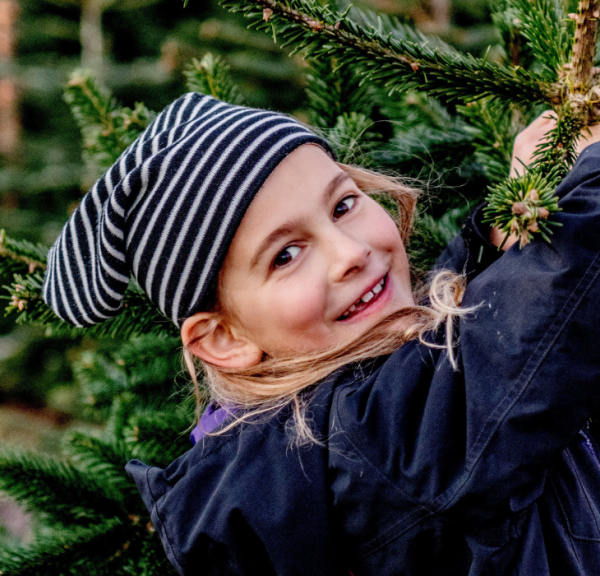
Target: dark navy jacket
424	470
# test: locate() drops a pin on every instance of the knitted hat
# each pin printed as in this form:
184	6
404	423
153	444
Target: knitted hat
167	210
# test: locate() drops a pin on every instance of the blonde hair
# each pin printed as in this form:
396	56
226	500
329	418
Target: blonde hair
279	382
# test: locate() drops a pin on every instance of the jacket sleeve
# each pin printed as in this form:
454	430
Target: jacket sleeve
477	442
472	251
529	353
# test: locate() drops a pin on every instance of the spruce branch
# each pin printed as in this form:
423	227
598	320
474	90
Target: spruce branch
493	126
543	24
100	381
25	293
79	551
383	59
334	90
107	129
25	255
47	486
212	76
138	353
522	206
18	258
394	27
353	138
116	547
424	151
557	153
431	236
159	436
104	459
506	20
579	80
145	367
122	409
139	316
150	560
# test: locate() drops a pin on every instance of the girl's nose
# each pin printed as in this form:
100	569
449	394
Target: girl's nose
349	255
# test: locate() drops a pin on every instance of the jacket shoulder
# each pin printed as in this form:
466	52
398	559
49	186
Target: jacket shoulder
219	501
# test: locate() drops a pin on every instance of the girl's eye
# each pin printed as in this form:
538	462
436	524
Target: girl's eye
344	206
286	256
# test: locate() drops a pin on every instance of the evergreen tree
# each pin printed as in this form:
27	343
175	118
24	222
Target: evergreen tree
386	96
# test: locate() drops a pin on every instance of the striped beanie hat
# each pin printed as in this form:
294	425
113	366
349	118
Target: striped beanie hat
167	210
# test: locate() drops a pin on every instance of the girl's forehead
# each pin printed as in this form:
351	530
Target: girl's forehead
303	175
300	186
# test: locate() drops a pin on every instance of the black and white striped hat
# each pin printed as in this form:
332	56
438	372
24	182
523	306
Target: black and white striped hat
167	210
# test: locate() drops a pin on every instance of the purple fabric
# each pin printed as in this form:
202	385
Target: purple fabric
589	445
211	419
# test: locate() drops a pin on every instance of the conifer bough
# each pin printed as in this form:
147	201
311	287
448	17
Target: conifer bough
387	59
390	58
576	102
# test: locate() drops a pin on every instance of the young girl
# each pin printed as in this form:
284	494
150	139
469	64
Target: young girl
351	431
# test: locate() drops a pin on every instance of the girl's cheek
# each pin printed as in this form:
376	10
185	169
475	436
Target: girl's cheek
387	231
301	304
289	319
378	228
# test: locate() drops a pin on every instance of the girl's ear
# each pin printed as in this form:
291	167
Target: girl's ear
211	338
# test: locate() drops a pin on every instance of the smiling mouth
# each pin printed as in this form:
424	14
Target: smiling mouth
365	300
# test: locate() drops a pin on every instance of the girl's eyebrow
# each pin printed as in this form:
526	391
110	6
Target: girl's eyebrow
291	225
273	237
334	184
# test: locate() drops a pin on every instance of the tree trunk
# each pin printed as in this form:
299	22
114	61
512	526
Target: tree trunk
440	14
10	126
91	35
584	45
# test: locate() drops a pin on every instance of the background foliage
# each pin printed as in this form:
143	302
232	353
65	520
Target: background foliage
119	386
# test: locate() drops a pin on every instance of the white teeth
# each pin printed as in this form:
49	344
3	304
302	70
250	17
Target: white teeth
368	297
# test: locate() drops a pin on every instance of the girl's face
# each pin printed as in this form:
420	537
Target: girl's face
315	261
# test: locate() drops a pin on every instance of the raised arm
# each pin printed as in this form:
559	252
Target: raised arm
530	357
479	440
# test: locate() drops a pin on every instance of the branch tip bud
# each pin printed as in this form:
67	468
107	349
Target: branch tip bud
519	209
